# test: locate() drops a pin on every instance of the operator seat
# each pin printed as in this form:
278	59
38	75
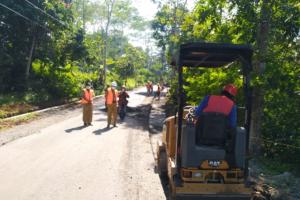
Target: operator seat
210	139
212	129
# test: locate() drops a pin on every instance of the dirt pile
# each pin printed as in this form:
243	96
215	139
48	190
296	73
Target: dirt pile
284	186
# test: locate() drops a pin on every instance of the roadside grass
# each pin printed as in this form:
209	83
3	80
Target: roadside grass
8	123
15	109
15	104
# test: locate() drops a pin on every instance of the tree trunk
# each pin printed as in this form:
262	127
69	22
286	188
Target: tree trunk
83	15
28	65
259	68
110	6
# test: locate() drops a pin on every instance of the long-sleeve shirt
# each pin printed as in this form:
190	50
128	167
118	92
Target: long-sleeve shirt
123	95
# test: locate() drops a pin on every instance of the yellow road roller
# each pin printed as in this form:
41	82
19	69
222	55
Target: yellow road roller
207	160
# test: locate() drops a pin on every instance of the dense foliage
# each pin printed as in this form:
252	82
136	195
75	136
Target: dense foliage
50	49
240	22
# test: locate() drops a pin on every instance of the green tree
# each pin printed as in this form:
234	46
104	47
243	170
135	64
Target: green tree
272	28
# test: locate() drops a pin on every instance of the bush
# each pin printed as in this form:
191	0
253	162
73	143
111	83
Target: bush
131	83
60	82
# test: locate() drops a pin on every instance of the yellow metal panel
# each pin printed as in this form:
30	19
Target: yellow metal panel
204	188
171	136
238	178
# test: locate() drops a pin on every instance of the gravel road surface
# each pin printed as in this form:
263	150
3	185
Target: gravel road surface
56	158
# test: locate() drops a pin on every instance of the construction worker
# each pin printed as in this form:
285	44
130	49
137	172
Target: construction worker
223	103
87	102
111	99
158	91
123	95
151	87
148	88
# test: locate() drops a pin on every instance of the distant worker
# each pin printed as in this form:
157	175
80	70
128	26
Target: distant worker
151	88
123	95
111	99
223	103
162	86
148	88
87	102
158	91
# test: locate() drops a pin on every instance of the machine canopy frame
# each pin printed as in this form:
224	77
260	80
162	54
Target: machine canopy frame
212	55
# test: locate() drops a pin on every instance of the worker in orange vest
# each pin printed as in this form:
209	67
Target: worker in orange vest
87	102
223	103
111	99
151	87
148	88
157	94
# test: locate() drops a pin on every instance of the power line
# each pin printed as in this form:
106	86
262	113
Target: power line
36	7
20	15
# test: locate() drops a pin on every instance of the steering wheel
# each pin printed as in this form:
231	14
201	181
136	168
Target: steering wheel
190	115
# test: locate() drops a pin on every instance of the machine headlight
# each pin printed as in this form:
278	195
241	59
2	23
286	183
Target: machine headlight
197	174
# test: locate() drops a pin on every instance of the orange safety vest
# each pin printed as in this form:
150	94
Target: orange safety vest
219	104
87	96
111	96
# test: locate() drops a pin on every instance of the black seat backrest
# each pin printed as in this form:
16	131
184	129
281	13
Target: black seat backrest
212	129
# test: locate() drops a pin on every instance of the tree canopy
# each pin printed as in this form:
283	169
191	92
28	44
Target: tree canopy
53	48
50	49
271	27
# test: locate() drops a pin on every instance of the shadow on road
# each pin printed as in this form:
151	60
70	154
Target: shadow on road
139	114
100	110
75	129
142	93
101	120
165	185
100	131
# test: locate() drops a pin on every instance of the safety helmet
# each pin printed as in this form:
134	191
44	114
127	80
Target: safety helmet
113	84
231	89
123	86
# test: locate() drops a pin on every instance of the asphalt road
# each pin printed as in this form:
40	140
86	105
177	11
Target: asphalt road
62	160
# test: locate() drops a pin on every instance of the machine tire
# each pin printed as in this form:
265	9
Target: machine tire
171	194
162	164
171	197
258	197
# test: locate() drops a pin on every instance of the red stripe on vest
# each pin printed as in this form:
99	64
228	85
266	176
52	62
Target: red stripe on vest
219	104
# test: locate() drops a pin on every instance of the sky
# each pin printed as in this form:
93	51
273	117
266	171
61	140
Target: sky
150	10
147	9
